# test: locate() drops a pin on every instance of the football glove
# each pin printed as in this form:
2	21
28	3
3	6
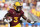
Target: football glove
6	20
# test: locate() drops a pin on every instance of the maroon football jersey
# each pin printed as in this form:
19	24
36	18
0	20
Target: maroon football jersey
15	16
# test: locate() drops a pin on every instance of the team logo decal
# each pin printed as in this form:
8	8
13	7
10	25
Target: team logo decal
13	13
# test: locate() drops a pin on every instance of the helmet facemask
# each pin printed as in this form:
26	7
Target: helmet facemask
18	8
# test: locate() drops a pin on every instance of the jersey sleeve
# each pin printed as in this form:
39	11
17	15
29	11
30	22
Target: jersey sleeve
22	13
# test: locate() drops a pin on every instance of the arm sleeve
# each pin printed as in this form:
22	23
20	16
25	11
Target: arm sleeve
22	13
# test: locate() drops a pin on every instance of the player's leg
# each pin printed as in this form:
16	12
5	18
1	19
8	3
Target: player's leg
18	25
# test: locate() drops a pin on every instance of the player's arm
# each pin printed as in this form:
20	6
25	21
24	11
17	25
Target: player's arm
25	18
28	20
7	18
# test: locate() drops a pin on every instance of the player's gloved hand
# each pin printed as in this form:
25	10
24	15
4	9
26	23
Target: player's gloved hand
7	20
33	22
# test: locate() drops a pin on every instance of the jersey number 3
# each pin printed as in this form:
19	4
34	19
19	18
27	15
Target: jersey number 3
15	19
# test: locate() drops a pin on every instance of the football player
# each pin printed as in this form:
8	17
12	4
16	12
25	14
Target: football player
13	15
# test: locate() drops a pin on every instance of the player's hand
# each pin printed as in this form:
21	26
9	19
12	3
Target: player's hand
8	19
33	22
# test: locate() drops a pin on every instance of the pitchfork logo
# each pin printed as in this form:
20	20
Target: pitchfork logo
13	13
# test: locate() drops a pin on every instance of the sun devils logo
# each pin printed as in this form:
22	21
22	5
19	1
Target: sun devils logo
13	13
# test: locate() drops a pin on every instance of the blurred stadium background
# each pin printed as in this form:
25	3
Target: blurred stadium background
31	9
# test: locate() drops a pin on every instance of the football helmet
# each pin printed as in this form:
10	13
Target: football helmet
17	6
